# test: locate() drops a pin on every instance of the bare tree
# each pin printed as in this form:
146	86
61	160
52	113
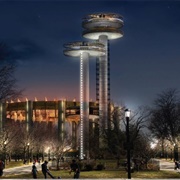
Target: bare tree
8	88
41	134
8	137
165	117
115	136
138	122
142	151
59	148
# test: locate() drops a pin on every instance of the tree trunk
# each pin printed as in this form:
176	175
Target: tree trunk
57	164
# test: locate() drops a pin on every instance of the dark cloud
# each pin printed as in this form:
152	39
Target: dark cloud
7	54
26	50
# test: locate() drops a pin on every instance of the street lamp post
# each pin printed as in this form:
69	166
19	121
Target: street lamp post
28	152
127	115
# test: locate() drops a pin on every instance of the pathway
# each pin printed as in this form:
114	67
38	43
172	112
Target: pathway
20	170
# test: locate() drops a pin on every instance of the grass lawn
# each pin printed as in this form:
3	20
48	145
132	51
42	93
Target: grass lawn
64	174
14	164
111	174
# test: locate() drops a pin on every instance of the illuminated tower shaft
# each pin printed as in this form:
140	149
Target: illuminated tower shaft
84	50
84	104
103	27
103	85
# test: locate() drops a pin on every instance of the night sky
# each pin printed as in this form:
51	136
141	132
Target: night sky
145	62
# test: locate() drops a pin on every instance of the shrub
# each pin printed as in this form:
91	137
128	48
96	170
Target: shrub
100	167
88	167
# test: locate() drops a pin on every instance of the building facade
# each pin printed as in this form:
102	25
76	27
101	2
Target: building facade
63	115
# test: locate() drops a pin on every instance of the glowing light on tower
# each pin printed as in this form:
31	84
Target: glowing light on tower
84	50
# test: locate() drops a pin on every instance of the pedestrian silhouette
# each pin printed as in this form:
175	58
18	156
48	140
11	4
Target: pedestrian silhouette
176	167
45	170
34	170
75	168
2	165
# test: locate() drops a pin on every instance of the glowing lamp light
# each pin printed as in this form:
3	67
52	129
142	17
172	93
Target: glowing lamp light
127	113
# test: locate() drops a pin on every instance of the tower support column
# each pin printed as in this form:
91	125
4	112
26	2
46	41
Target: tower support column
103	84
74	135
29	115
84	105
61	119
84	50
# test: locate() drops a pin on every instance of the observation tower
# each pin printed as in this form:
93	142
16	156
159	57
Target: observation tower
84	50
103	27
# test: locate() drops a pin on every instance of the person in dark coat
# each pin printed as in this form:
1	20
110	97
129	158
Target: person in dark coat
34	170
45	170
176	165
2	165
75	168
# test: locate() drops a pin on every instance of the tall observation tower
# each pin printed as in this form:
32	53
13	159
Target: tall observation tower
103	27
84	50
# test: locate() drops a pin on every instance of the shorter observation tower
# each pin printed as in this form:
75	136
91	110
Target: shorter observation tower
84	50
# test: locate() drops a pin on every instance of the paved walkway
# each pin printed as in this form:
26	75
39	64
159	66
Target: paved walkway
20	170
166	165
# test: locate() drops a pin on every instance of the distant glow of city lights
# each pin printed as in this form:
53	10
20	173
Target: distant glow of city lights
67	148
46	149
154	143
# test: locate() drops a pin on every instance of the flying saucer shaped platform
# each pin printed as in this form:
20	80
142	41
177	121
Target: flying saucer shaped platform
98	24
77	48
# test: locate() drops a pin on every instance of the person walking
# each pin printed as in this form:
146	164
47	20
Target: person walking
74	167
176	167
34	170
45	170
2	165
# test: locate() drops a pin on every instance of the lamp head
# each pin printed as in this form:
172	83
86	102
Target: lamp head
127	113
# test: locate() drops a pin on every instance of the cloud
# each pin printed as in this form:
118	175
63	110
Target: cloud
26	49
